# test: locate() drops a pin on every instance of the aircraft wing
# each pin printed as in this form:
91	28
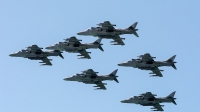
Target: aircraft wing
73	40
84	53
158	107
90	72
100	85
146	57
117	39
148	95
107	25
34	48
46	61
93	74
156	71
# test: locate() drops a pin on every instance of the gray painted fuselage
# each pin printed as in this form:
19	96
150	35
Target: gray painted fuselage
103	33
135	63
147	102
34	55
68	47
84	78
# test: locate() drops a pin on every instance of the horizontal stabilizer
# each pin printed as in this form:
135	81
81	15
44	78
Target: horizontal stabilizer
173	101
132	27
114	74
173	65
61	56
172	60
135	33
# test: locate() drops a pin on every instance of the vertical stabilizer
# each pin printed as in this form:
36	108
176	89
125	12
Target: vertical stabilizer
98	41
172	60
133	27
114	74
171	96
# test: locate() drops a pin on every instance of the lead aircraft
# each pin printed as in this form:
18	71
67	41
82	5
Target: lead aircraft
107	30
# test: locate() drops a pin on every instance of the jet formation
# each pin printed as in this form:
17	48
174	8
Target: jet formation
90	77
73	45
106	30
146	62
149	99
35	53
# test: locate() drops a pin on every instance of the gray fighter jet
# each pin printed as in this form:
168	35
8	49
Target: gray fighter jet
73	45
35	53
146	62
91	77
148	99
106	30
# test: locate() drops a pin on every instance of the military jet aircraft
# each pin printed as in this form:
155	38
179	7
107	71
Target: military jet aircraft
148	99
146	62
35	53
91	77
73	45
106	30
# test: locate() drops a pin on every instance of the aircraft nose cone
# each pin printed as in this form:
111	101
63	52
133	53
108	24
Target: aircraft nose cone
121	64
124	101
80	33
67	78
12	54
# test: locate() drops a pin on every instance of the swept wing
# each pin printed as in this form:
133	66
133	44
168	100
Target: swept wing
148	95
107	25
146	57
73	40
92	74
84	54
158	107
117	39
156	71
46	61
35	48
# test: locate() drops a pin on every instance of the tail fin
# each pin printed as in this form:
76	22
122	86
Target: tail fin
171	96
98	41
133	27
114	74
172	60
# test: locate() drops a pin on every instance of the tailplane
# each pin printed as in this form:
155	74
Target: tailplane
60	53
172	60
98	41
133	27
114	74
171	96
